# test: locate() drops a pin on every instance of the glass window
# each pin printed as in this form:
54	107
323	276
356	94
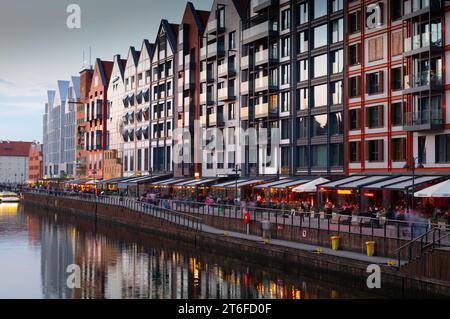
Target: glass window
336	155
397	114
302	98
303	13
320	95
336	124
302	157
442	148
303	70
320	8
285	19
320	36
337	31
302	127
337	61
319	125
284	129
354	119
303	41
320	65
319	156
336	92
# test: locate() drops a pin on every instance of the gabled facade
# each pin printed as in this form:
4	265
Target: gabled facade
220	77
113	156
187	92
163	97
129	113
70	126
96	135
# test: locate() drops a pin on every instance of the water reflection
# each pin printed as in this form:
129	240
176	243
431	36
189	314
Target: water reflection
121	263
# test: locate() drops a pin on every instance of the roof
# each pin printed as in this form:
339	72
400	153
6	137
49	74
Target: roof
21	149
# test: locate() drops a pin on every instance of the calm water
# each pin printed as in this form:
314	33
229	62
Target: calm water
36	248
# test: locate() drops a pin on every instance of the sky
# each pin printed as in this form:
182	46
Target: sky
37	48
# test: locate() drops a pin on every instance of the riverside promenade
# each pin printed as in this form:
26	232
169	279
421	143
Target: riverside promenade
204	225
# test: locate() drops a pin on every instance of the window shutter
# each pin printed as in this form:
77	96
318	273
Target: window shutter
381	115
372	50
381	150
397	43
380	82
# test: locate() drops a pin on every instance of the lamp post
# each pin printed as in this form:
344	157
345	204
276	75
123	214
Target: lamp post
236	170
415	164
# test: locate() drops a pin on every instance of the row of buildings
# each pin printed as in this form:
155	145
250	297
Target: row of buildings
330	87
20	162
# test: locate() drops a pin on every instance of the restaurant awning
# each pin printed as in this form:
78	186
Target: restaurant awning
92	182
310	187
441	190
339	182
145	179
291	183
170	181
196	182
418	182
364	181
240	183
113	180
390	181
273	183
77	182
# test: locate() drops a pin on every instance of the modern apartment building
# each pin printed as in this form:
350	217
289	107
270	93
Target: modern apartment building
191	29
113	156
163	97
292	69
396	93
59	129
129	113
96	134
220	78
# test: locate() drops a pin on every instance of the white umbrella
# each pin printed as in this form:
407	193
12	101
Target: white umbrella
310	187
437	191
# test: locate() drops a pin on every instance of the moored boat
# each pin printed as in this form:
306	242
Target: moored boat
9	197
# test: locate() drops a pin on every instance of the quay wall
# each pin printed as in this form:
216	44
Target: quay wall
408	282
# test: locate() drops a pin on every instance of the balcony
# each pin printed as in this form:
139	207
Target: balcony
216	119
214	28
206	99
226	94
187	102
262	84
245	87
265	110
261	5
260	31
423	81
427	41
245	62
203	120
263	57
425	120
244	113
226	69
212	50
413	8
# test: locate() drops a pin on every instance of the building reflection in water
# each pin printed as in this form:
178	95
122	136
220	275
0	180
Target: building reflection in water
113	269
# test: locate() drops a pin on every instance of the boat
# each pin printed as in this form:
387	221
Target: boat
9	197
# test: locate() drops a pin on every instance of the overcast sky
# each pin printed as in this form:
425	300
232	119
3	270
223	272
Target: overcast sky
37	48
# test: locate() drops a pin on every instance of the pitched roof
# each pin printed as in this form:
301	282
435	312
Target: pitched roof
15	148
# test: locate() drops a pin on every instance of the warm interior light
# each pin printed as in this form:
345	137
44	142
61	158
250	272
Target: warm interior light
369	194
344	192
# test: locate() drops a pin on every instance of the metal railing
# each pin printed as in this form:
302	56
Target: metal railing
162	213
332	223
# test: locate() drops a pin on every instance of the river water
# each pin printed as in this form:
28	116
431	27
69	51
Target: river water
36	248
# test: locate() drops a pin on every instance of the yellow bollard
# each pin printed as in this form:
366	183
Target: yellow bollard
370	247
226	234
335	242
266	241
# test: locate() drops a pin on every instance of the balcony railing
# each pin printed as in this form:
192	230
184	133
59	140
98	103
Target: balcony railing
212	50
265	110
264	83
260	5
259	31
424	40
412	7
263	56
216	119
426	119
244	113
423	79
226	94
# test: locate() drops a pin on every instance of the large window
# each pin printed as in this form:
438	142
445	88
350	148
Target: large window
337	61
375	116
285	19
355	151
376	49
354	22
354	54
302	156
303	13
320	36
319	156
320	8
442	148
285	101
303	42
397	114
375	82
398	149
354	86
285	47
375	151
337	31
303	70
320	95
302	99
320	65
354	119
336	92
302	127
319	125
336	155
336	124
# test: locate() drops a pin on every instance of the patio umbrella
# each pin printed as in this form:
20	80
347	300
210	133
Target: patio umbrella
440	190
310	187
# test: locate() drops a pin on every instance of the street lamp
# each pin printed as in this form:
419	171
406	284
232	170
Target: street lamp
415	164
236	170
